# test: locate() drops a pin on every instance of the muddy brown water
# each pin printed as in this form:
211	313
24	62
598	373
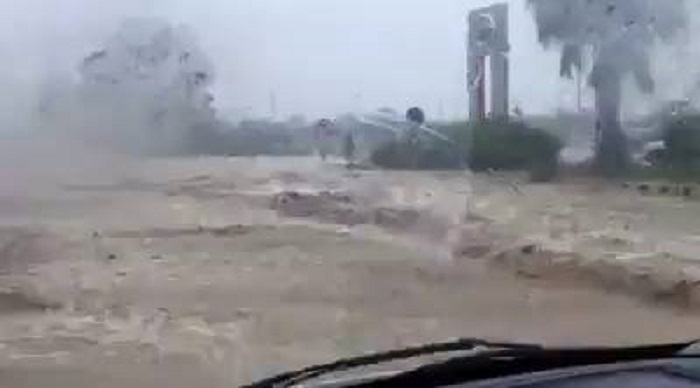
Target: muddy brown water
180	272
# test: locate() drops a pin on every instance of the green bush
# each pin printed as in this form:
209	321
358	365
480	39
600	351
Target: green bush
427	155
391	155
490	145
682	140
500	145
680	159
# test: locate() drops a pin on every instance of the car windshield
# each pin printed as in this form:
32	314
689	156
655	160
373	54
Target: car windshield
207	193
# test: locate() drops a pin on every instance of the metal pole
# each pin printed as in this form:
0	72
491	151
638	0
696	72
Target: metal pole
500	63
481	89
578	91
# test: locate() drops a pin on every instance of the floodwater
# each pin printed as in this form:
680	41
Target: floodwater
217	271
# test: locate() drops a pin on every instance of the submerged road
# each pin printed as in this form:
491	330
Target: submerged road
185	272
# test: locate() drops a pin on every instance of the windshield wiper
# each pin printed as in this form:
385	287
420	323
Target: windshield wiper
490	360
508	362
463	344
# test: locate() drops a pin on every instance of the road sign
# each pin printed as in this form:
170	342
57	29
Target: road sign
415	115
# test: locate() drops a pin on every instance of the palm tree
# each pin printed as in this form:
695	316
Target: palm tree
613	39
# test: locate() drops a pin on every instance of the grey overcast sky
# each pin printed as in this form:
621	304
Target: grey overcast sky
318	56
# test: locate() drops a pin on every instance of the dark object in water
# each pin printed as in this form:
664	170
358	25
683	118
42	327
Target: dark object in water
415	115
528	249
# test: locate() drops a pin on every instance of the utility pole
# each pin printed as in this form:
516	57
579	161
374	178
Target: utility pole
273	105
578	90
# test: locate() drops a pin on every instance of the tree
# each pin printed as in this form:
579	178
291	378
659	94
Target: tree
615	37
147	87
